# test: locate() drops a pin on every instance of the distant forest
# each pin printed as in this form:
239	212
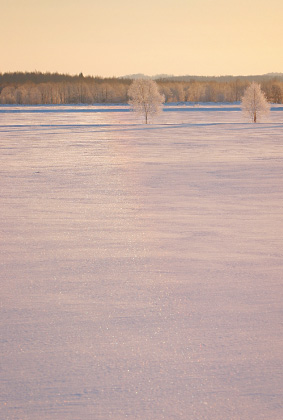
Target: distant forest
54	88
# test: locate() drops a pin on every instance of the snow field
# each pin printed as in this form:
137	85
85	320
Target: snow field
141	266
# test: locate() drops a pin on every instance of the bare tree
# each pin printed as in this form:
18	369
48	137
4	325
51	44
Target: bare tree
145	98
254	102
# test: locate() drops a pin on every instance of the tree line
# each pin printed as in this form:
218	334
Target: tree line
54	88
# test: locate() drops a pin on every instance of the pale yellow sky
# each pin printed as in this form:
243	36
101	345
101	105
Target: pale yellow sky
118	37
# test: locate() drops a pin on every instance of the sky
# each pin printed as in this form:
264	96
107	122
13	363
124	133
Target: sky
120	37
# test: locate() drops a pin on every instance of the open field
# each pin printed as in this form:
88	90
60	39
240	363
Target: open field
141	266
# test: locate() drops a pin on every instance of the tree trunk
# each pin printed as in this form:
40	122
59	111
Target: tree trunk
254	117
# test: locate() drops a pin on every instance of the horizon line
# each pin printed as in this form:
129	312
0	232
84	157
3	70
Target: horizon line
125	76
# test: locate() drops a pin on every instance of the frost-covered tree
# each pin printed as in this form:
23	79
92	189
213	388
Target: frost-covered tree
254	102
145	98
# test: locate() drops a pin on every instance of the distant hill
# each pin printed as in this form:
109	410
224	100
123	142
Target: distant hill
189	78
275	74
135	76
144	76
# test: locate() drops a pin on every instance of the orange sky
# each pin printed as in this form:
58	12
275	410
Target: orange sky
118	37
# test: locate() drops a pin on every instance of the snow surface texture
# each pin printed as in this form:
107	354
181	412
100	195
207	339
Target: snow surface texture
141	266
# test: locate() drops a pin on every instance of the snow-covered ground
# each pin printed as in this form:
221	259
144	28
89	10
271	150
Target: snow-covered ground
141	266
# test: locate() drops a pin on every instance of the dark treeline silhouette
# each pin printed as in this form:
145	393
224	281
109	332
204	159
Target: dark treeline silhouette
54	88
